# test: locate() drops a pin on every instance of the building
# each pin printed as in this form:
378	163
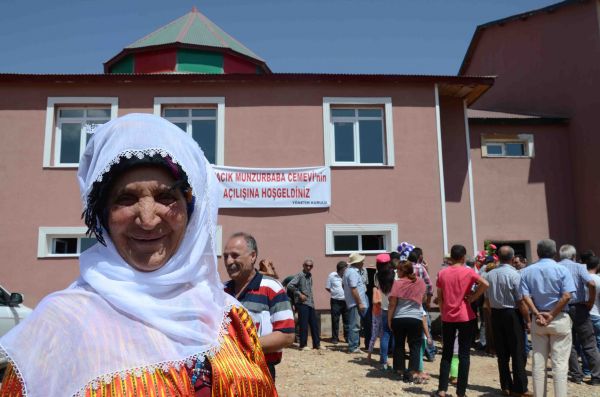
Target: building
409	158
547	64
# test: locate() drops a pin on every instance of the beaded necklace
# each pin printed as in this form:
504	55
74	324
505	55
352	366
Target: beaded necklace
202	372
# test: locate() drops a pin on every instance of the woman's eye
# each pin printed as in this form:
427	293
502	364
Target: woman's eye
126	199
166	198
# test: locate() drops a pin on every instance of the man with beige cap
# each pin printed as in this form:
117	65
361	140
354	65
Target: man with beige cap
355	294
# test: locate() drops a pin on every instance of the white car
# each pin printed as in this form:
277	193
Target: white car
12	312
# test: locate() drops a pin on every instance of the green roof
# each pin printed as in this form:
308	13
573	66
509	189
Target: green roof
195	29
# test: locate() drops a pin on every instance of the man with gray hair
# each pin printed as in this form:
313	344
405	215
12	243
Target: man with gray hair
509	316
301	286
546	287
263	297
579	311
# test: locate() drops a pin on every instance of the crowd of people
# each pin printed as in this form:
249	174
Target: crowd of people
494	302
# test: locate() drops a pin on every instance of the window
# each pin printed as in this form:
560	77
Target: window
70	121
358	131
202	118
371	238
522	248
517	145
74	127
200	123
63	241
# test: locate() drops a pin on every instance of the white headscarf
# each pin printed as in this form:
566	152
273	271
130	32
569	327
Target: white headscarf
115	319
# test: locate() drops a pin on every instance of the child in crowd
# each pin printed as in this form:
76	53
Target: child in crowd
377	328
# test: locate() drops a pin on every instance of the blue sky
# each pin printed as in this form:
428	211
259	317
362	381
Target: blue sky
317	36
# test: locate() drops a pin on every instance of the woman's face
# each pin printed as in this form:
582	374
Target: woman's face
146	217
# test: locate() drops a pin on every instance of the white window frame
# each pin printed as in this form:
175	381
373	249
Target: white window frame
219	240
83	134
527	243
503	139
329	135
46	234
219	102
52	114
389	230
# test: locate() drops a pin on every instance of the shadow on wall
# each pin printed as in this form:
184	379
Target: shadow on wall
550	166
454	148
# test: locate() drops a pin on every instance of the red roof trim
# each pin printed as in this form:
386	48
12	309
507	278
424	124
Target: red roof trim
314	77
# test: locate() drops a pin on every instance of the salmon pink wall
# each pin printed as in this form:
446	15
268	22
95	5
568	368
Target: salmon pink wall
267	124
524	198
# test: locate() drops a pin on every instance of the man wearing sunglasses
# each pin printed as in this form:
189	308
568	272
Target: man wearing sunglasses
301	287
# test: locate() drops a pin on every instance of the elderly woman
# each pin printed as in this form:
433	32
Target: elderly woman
148	315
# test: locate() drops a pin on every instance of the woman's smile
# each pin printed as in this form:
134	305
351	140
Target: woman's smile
147	217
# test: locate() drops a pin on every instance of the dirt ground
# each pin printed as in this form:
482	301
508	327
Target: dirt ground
333	372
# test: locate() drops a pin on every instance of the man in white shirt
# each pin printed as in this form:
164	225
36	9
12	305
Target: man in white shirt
592	267
337	302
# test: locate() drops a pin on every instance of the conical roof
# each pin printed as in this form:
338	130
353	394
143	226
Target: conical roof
189	44
194	29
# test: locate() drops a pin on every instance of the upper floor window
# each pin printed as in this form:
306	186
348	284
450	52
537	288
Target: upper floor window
74	127
70	121
200	123
201	117
358	131
507	145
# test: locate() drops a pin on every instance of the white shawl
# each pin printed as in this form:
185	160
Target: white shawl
115	319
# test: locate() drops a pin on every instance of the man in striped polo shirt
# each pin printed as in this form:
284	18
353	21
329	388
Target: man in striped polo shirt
263	297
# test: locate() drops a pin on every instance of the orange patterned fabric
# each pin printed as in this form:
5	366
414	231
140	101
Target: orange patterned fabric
11	386
238	369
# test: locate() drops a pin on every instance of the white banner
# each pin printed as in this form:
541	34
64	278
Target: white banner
308	187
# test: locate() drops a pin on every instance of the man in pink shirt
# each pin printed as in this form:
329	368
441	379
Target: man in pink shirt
455	295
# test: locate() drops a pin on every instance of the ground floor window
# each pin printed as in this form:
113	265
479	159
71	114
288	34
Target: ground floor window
522	248
56	242
365	238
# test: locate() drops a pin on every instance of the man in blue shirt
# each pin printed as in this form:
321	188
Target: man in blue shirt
579	311
355	294
509	317
546	287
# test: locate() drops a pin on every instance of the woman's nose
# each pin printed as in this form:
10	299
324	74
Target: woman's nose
148	217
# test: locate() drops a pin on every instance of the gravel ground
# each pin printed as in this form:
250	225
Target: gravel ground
333	372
